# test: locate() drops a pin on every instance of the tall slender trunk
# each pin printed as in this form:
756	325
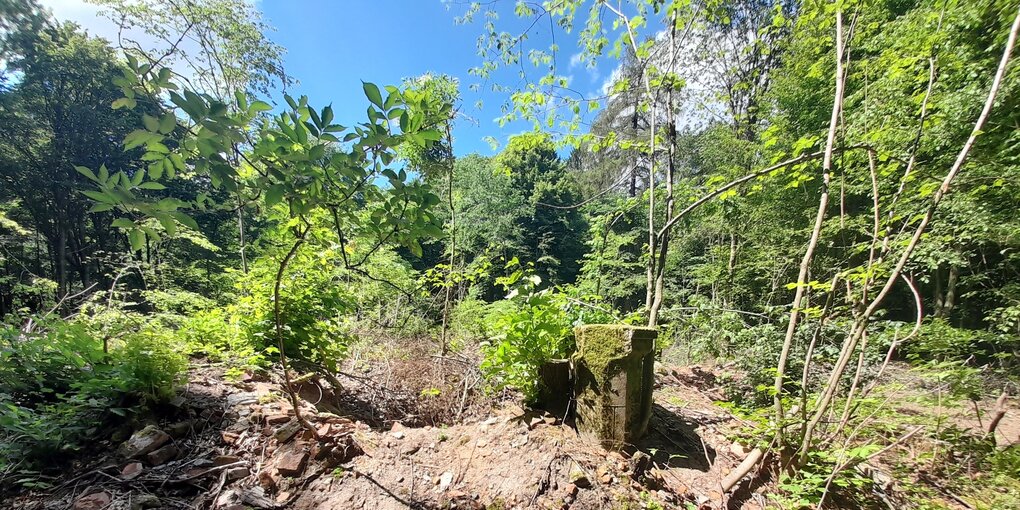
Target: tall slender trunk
731	269
240	233
951	282
861	322
805	263
632	192
61	260
278	319
939	294
453	247
659	267
650	269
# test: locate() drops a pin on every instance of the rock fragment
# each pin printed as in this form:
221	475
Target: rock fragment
143	442
94	501
445	480
142	501
292	463
131	471
286	432
237	473
277	418
162	455
223	460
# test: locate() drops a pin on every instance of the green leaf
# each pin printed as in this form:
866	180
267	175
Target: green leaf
123	223
274	194
151	233
168	223
152	185
137	178
184	219
84	170
373	94
156	170
101	208
433	231
99	196
177	161
260	106
150	122
167	123
124	102
414	247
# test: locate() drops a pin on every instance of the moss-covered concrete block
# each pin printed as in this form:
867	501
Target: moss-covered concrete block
613	376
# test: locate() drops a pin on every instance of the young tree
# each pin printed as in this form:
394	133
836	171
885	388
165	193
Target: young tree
299	159
215	46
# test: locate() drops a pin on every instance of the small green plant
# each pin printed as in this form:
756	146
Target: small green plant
59	386
650	503
535	331
819	478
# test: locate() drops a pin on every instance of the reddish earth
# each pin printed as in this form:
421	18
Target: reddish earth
237	445
378	443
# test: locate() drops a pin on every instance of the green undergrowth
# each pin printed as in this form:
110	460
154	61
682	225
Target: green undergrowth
937	380
59	388
533	326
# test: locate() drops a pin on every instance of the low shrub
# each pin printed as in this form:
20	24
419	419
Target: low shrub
58	386
533	327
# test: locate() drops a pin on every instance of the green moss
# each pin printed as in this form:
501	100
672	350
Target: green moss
604	353
602	346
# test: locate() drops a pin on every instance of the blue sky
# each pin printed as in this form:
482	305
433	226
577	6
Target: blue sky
333	45
384	41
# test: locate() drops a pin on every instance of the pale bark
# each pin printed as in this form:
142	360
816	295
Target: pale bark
660	266
453	251
861	323
823	203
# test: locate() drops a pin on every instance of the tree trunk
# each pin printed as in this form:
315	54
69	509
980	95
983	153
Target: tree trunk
939	295
632	192
731	267
861	322
805	263
950	302
453	249
61	260
663	248
240	233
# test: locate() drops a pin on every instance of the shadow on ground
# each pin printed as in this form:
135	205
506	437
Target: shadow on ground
674	442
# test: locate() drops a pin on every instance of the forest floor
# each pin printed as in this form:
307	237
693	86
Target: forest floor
233	443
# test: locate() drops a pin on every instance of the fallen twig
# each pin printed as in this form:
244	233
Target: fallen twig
208	471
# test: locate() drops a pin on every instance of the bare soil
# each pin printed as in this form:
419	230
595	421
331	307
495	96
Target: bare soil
416	432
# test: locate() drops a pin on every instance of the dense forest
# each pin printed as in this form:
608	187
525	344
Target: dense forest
816	204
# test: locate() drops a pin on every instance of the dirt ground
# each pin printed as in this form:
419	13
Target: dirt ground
379	444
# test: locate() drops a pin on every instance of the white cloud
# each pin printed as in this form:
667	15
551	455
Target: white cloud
576	60
607	84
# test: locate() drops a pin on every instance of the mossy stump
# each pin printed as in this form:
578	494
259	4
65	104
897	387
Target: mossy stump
613	376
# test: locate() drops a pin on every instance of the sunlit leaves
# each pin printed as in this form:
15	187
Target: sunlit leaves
294	157
372	93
